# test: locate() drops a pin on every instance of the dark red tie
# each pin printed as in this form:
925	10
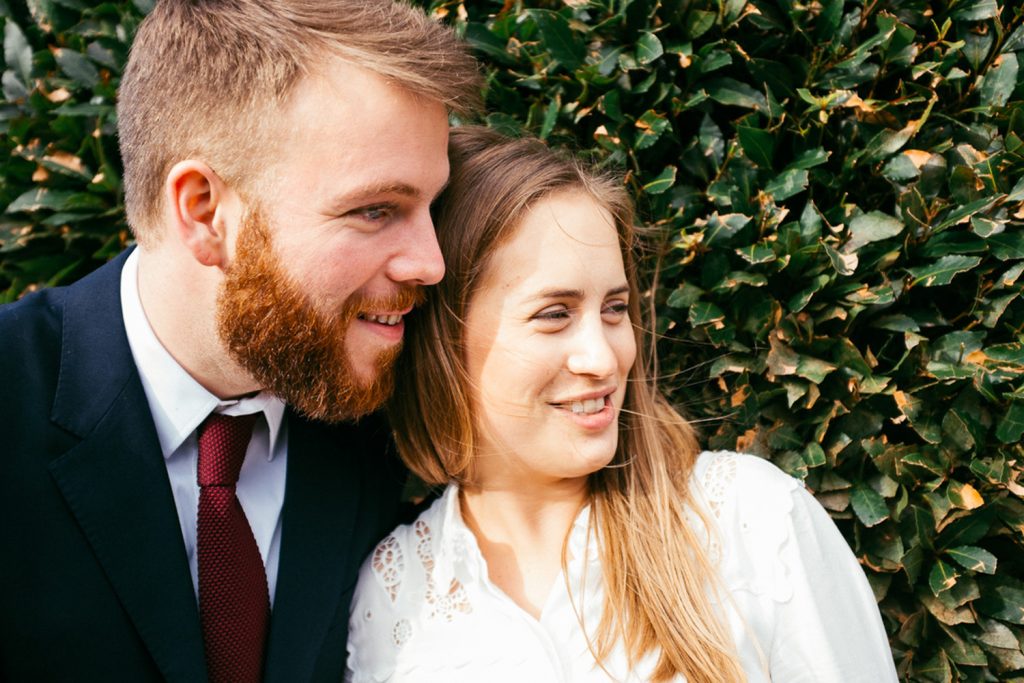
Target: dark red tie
234	605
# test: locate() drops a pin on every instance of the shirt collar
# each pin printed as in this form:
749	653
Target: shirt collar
178	403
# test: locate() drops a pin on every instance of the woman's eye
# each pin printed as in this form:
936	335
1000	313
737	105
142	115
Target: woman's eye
616	308
552	314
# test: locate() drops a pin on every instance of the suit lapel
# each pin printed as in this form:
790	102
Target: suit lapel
321	502
115	481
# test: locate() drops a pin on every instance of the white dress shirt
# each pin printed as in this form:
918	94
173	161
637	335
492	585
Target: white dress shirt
179	404
799	607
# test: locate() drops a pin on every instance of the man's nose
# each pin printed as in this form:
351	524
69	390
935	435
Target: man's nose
419	260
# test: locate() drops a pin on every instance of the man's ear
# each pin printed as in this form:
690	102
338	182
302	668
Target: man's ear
197	200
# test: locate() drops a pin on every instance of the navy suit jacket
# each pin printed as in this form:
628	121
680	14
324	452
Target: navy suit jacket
94	580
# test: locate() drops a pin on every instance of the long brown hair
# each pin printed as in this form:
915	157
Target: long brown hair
657	574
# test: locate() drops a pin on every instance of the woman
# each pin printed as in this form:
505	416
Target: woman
581	536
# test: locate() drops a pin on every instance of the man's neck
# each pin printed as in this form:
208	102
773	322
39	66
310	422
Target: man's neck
179	299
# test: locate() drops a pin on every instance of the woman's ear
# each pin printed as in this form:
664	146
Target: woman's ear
196	200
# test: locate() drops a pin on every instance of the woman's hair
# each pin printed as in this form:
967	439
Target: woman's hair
658	577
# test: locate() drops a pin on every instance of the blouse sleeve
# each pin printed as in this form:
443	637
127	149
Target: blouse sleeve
826	624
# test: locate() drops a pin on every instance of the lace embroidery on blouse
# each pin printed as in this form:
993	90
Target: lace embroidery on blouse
389	566
444	605
401	632
718	479
716	482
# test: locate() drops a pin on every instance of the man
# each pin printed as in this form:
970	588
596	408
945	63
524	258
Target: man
280	162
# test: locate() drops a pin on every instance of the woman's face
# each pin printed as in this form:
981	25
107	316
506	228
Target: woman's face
549	347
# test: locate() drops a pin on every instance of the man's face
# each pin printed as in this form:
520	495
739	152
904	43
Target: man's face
290	346
338	243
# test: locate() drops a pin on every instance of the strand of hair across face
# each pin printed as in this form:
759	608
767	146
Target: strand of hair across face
659	581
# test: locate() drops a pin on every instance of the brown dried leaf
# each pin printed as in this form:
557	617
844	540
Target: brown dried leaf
66	160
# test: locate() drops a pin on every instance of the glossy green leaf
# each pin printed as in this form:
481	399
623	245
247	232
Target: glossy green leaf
844	264
17	51
757	144
900	168
942	271
735	93
756	253
974	558
698	22
483	40
814	455
721	227
55	200
1002	598
787	184
1007	245
77	66
705	313
976	10
871	227
648	48
550	117
868	505
685	296
559	39
942	577
1011	426
811	158
662	182
651	126
1000	81
813	369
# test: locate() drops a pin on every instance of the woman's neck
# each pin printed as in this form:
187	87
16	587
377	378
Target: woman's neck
521	532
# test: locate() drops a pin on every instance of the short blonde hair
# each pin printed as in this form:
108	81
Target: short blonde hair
205	77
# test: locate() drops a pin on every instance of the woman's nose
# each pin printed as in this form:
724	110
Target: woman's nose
592	353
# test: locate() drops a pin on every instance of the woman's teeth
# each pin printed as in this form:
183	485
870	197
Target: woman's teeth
591	405
382	319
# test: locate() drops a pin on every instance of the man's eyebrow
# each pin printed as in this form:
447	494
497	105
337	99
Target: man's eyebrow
368	192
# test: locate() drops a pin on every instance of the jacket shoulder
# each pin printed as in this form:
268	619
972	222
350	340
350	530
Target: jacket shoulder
30	334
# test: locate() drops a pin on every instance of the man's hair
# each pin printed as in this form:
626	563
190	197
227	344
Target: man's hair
205	79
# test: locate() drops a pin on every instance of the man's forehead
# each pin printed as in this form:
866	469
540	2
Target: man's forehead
349	135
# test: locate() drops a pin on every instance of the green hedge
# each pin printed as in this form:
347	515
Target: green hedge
836	197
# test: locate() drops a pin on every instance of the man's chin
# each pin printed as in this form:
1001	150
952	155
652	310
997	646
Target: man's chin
339	396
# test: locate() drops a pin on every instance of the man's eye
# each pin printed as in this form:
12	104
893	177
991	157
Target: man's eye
375	213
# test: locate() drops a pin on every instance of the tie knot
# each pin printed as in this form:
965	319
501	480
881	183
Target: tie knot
223	440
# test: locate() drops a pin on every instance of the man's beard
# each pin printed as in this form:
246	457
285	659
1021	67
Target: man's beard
297	352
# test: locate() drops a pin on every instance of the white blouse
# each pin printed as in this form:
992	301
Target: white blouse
799	607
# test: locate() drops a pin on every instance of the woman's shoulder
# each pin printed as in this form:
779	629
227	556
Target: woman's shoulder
730	480
759	513
785	563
